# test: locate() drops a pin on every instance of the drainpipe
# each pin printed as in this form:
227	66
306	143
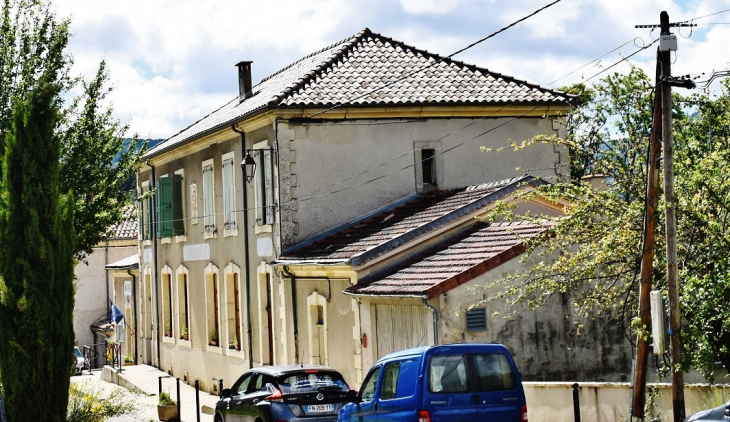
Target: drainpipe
293	278
134	309
435	320
247	264
153	216
106	273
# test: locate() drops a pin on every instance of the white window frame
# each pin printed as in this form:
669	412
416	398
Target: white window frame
168	282
231	275
228	174
212	271
182	274
209	228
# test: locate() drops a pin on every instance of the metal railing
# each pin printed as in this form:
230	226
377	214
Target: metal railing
98	355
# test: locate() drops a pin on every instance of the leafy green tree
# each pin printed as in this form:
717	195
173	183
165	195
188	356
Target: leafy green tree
595	253
36	261
95	161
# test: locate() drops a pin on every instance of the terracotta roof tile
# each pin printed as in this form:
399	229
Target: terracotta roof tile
365	239
453	262
128	228
366	69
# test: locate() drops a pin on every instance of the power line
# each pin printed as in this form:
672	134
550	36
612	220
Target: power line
441	59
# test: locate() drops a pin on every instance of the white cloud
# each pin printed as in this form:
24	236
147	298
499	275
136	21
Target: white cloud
172	62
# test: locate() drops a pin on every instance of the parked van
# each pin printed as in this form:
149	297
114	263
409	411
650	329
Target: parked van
455	382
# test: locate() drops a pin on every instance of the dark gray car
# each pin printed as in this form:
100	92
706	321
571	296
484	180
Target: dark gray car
303	393
718	414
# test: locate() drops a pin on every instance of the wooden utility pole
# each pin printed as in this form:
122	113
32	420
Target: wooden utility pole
638	399
663	122
671	232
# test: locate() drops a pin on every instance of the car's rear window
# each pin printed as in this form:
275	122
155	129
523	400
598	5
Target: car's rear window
303	382
494	372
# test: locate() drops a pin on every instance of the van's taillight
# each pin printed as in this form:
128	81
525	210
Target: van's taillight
276	397
524	414
423	416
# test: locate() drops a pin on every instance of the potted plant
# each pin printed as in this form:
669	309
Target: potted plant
168	330
128	360
234	344
166	407
214	337
184	331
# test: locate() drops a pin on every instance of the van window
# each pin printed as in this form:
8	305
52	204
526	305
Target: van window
367	392
399	380
447	374
494	372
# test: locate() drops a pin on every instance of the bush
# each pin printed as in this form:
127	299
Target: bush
86	403
166	400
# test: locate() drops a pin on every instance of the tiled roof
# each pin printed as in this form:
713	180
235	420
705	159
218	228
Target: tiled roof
453	262
128	228
368	238
366	70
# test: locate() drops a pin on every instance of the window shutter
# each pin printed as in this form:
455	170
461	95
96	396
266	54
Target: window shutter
148	217
476	319
269	188
178	222
208	210
140	219
164	207
229	216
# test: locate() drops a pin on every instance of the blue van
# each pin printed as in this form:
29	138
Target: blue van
455	382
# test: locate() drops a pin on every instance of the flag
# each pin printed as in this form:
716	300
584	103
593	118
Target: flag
115	314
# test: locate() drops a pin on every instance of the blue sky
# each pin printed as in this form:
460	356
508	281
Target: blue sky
172	62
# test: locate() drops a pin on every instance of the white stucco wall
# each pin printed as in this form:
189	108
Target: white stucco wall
92	283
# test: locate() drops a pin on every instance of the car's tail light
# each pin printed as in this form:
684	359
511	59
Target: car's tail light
524	413
423	416
276	397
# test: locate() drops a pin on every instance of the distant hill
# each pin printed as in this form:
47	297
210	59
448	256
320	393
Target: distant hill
151	143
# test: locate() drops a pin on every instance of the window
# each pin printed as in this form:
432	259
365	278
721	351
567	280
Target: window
145	212
212	304
494	372
242	384
264	184
428	164
229	194
208	199
476	319
183	303
167	300
317	319
367	392
233	306
447	374
399	380
170	207
266	332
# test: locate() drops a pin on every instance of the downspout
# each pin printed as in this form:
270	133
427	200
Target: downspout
153	215
293	278
106	273
134	309
435	321
246	260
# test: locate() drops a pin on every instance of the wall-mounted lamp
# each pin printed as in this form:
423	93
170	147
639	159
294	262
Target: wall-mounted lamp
249	166
249	163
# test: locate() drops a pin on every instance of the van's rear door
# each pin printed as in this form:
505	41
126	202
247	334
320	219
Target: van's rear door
448	395
497	385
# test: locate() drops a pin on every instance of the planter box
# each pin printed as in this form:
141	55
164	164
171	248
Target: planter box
167	413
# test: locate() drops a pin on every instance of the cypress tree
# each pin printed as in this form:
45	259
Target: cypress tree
36	262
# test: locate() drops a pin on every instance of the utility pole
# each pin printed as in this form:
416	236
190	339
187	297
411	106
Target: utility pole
663	121
671	232
638	399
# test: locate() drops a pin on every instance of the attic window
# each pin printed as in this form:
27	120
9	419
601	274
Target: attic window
428	167
428	163
476	320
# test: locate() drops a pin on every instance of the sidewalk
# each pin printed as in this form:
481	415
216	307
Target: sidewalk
145	379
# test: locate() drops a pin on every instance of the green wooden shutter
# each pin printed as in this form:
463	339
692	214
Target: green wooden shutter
148	218
164	207
140	219
178	224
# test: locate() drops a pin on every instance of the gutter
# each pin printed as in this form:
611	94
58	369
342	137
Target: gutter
247	264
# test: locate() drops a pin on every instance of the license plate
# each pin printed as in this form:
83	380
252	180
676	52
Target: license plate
320	408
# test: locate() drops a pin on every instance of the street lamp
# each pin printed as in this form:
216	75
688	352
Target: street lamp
249	166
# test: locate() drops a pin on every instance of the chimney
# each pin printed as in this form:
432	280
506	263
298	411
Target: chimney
244	81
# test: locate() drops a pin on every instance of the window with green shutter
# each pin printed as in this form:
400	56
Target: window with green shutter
169	207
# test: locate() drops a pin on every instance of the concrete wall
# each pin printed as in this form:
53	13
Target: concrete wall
609	402
340	171
549	343
92	284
